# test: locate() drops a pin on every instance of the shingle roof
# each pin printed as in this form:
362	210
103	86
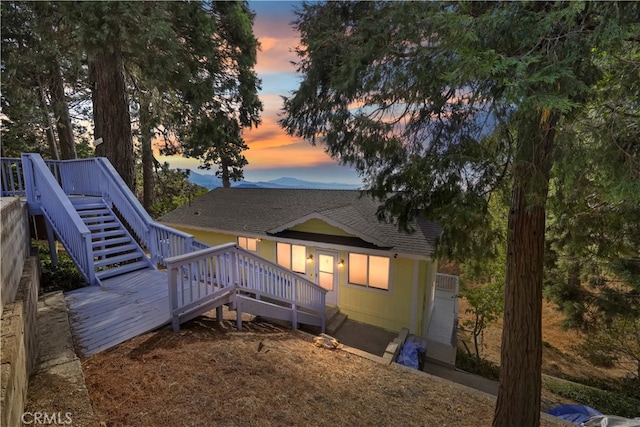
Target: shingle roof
265	211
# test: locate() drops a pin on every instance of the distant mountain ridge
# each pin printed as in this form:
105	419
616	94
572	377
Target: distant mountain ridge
212	181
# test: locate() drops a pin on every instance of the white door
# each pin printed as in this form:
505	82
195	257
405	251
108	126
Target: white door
327	275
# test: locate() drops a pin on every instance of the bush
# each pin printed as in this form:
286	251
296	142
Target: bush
607	402
63	277
476	365
629	387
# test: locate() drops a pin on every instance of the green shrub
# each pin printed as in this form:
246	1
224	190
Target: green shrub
63	277
629	387
607	402
478	366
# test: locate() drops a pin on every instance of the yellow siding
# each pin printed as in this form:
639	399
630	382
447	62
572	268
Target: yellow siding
213	239
320	227
390	310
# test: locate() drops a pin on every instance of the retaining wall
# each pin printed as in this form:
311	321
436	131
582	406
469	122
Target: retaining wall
20	283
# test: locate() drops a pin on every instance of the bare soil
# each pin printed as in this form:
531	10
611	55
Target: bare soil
560	355
209	374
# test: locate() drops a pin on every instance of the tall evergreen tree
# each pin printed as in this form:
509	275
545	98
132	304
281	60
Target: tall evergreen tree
196	82
593	256
220	98
409	94
37	51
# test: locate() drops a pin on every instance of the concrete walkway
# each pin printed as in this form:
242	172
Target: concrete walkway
57	389
364	337
374	340
370	342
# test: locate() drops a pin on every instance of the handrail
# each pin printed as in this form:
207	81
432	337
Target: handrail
97	177
81	176
12	177
198	277
449	283
42	191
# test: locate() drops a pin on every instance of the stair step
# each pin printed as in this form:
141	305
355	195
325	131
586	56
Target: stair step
94	212
130	256
336	323
115	250
103	226
111	242
111	233
330	312
104	218
85	203
127	268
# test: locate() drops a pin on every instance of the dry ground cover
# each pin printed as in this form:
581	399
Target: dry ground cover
210	375
560	355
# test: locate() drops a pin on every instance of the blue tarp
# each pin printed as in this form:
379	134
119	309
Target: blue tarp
409	355
574	413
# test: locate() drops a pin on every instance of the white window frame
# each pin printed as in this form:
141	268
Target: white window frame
246	243
368	284
291	245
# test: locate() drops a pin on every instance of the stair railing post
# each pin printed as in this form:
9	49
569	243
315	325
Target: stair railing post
188	244
294	305
173	297
233	273
29	183
153	246
91	273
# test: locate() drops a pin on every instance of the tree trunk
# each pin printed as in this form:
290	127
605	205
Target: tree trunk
224	168
111	113
61	111
521	352
147	154
51	138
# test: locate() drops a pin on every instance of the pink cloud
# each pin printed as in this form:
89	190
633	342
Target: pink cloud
276	55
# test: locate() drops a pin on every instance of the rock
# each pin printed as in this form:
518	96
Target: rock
326	341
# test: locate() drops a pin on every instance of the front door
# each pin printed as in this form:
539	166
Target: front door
326	272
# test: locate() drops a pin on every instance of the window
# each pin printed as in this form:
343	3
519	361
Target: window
292	257
368	270
248	243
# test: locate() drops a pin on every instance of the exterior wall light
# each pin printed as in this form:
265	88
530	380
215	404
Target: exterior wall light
341	263
310	258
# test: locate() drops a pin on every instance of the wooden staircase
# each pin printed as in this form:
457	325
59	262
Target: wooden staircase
115	252
104	229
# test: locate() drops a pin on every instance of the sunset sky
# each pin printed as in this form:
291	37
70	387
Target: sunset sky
272	154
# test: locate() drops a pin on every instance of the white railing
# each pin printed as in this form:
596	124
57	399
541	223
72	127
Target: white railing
97	177
201	277
42	191
12	177
449	283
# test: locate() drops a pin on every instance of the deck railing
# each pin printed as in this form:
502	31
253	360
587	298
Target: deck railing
198	278
12	177
451	284
44	194
97	177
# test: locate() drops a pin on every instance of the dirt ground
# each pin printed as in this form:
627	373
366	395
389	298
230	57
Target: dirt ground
560	358
209	374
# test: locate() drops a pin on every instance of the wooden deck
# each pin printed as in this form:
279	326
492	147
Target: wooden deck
122	308
138	302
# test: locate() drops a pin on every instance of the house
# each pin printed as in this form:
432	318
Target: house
373	273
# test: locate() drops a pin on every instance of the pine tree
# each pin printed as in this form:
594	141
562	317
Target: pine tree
414	94
38	52
593	257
